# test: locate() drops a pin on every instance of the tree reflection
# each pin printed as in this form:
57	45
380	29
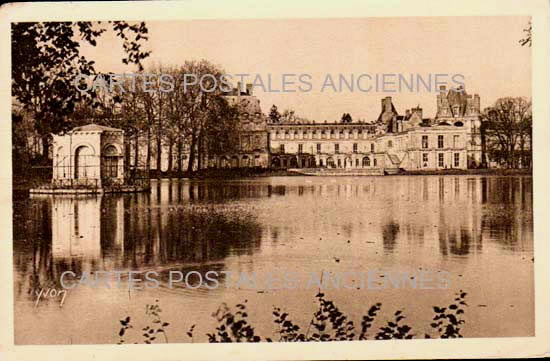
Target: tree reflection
130	232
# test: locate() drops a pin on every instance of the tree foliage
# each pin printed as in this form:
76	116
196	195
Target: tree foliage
508	132
274	115
46	60
346	118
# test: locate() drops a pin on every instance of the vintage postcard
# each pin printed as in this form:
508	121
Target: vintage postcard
355	182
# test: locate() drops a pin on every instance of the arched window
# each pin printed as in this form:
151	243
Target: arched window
83	162
366	162
110	162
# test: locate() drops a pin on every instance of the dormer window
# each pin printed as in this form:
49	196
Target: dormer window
456	110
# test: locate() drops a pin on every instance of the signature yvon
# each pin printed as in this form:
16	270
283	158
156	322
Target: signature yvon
50	293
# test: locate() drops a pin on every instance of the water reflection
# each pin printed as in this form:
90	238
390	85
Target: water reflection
300	223
131	232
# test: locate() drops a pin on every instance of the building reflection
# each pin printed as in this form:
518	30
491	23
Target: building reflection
76	227
130	232
183	224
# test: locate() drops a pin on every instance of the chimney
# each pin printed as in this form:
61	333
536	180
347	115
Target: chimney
239	88
249	88
417	111
386	105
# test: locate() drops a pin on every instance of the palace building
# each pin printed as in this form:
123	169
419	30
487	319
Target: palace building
253	141
391	143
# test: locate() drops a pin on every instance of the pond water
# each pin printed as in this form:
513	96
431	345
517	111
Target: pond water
474	233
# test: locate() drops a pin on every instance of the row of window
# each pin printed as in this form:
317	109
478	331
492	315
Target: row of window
440	144
425	144
336	148
440	141
441	160
347	163
322	134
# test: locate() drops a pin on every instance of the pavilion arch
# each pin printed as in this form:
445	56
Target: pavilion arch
330	162
81	144
108	148
83	161
111	150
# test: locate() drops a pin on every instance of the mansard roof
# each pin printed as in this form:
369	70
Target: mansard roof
458	97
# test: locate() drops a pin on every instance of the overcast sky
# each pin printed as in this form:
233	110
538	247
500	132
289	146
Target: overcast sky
483	49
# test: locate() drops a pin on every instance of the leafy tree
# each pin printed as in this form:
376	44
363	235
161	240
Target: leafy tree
46	61
508	127
274	115
346	118
288	116
203	116
221	130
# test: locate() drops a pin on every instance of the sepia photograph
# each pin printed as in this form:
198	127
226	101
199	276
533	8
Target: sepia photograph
272	180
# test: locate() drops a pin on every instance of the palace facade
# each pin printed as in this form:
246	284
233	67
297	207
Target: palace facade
391	142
